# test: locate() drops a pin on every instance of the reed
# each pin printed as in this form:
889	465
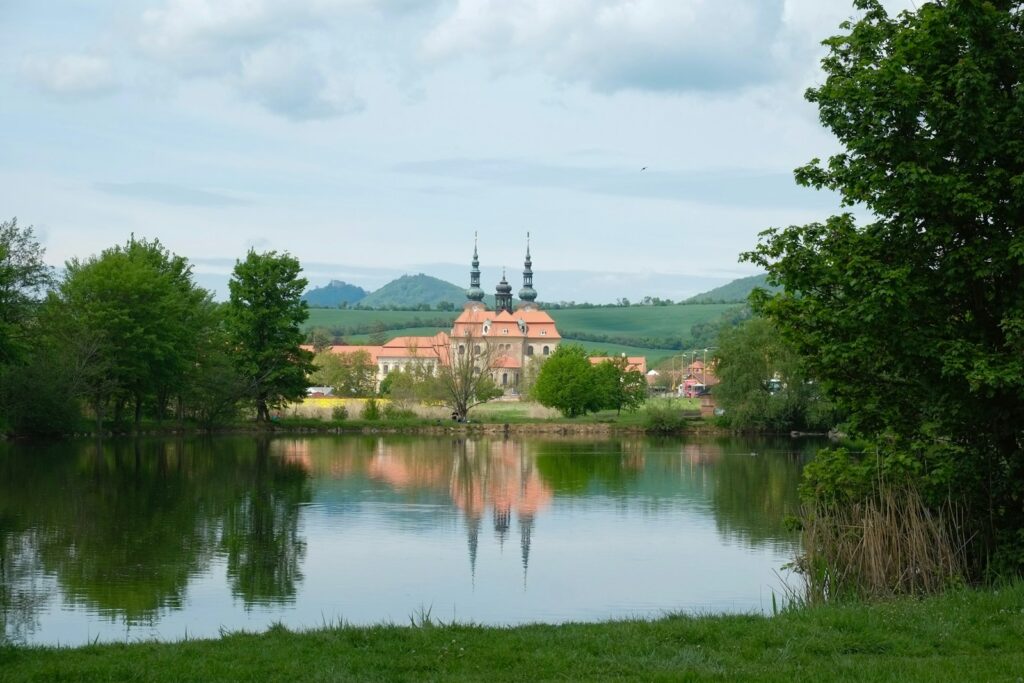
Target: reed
891	544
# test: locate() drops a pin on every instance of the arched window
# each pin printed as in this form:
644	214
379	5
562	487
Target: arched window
504	379
385	368
529	350
462	349
476	349
547	350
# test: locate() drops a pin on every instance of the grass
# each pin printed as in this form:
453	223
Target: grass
963	635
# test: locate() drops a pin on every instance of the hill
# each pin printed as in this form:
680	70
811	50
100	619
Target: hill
410	291
333	293
736	291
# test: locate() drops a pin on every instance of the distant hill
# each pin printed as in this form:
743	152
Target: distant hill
736	291
333	293
410	291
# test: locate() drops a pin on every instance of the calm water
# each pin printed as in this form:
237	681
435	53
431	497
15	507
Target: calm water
163	538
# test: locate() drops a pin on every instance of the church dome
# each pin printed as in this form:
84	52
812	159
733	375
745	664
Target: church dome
504	287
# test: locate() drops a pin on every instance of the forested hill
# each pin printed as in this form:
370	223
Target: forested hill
334	293
410	291
736	291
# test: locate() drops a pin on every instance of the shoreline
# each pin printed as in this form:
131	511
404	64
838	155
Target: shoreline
963	634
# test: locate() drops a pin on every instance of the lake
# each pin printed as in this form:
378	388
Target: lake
142	539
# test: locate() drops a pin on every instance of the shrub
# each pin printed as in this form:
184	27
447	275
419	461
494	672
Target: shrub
663	417
393	411
339	413
371	410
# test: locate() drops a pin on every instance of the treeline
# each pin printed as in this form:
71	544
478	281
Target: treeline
346	306
127	335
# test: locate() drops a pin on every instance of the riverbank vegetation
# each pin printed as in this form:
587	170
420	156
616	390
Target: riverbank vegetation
913	320
961	635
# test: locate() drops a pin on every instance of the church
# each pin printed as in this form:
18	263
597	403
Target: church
509	338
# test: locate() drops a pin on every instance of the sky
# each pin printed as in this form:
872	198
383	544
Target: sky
643	144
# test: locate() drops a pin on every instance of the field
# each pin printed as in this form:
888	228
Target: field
634	322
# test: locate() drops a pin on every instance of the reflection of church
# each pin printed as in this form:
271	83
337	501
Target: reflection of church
505	479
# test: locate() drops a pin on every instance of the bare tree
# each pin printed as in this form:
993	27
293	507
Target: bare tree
464	372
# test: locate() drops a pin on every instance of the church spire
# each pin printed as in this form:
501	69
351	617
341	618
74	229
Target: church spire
474	293
528	294
503	295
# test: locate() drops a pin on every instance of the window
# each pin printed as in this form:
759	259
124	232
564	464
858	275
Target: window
546	350
504	330
543	333
385	368
462	349
476	349
504	379
529	350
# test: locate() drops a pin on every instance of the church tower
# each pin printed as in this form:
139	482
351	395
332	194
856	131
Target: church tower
474	293
527	294
503	295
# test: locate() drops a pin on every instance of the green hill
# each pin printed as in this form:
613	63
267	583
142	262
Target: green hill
334	293
410	291
736	291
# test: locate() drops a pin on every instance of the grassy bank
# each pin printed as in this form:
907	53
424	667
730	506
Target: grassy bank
961	636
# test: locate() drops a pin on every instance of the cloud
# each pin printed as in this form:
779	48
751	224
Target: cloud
280	55
290	81
621	44
174	195
72	75
730	188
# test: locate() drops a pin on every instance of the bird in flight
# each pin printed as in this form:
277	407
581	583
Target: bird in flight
644	168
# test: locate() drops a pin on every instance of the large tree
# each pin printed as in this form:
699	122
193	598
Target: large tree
264	317
914	320
141	313
24	278
566	382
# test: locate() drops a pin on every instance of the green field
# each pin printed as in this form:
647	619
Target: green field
964	635
634	322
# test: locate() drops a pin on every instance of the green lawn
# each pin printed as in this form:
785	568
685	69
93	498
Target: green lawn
962	636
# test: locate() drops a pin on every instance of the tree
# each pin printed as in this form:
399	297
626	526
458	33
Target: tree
566	382
264	316
24	278
763	383
349	374
618	386
141	312
462	378
914	321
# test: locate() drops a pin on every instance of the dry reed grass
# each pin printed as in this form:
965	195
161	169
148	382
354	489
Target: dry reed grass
890	545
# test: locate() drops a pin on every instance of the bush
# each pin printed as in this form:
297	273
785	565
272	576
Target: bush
36	399
393	411
339	413
371	410
663	417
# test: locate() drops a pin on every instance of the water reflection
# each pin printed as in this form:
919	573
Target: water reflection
127	531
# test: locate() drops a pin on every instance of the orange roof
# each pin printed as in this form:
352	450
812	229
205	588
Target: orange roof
504	361
638	363
339	348
504	324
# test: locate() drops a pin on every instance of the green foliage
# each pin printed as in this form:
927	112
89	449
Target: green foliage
349	374
263	320
664	417
926	106
141	314
617	386
37	397
23	280
763	383
371	410
339	413
565	382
